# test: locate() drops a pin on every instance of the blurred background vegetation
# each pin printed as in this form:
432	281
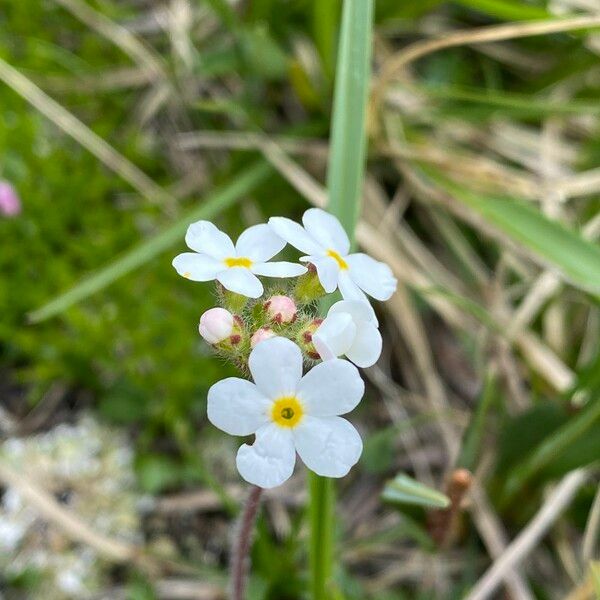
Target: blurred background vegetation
119	121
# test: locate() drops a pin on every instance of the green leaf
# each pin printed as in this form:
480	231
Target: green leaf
553	446
217	202
549	241
325	22
513	10
521	103
406	490
262	53
139	588
378	453
408	528
123	404
473	438
595	576
157	473
348	138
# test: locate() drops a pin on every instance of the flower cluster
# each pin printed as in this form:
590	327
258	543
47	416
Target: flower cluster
272	335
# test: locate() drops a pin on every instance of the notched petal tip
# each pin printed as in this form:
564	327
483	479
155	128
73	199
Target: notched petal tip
270	461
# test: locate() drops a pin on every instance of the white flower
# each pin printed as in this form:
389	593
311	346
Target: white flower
326	244
235	267
349	329
289	413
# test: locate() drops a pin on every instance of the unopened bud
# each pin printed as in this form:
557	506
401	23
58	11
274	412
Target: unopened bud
10	205
309	287
305	338
281	309
230	300
216	325
260	335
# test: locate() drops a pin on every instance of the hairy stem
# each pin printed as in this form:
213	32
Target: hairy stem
242	540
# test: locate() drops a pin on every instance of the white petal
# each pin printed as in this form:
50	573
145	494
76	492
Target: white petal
276	367
241	281
237	407
270	460
327	230
206	238
373	277
278	269
329	446
335	335
259	243
295	234
366	349
331	388
350	291
197	267
328	271
361	312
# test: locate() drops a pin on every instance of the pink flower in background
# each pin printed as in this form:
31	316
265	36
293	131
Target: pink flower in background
10	205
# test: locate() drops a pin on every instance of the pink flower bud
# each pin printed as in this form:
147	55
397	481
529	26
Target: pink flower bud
260	335
281	309
10	205
216	325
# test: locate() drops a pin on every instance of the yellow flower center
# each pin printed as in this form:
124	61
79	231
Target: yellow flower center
343	265
287	411
238	262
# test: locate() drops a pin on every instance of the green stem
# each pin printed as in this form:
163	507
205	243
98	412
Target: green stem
344	181
322	499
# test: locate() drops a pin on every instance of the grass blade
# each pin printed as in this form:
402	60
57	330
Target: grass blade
552	243
325	23
473	438
551	447
344	180
348	139
513	10
219	201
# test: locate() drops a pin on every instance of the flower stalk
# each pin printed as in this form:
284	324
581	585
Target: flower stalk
242	542
321	509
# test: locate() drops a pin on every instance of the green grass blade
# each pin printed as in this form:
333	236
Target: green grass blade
513	10
509	100
344	180
552	447
552	243
348	139
473	438
218	201
325	21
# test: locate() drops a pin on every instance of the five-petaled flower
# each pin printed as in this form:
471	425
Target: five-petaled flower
289	413
349	329
235	267
326	245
